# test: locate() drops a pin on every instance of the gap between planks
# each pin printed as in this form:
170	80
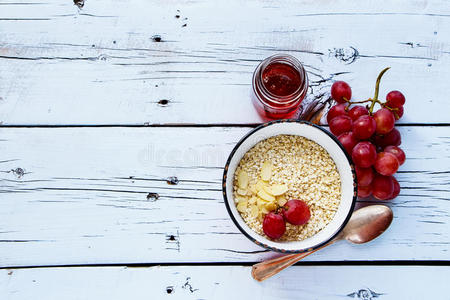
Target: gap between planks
250	263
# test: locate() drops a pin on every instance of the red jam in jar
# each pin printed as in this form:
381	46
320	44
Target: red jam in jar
279	86
281	79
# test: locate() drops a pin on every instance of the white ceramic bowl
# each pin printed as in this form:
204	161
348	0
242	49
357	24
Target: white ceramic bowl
337	153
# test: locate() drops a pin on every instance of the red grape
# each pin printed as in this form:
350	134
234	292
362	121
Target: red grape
296	212
396	188
341	90
348	140
386	164
395	99
382	187
385	121
364	191
340	124
398	113
399	154
335	111
392	138
274	225
357	111
364	176
364	127
364	154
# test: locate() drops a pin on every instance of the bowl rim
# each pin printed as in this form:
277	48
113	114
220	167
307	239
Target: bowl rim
224	182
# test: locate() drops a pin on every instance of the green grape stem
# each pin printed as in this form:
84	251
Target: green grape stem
375	98
393	110
377	89
364	101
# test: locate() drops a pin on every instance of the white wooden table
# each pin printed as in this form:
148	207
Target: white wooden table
104	102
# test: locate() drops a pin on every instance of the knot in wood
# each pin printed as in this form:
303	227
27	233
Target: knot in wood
157	38
172	180
152	197
163	102
79	3
19	172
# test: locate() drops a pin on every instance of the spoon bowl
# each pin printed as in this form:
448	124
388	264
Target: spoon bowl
367	223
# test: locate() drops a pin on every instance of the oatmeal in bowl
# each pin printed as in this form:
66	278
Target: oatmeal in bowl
289	186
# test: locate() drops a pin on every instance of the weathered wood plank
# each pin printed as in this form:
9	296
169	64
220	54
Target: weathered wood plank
85	196
225	282
112	63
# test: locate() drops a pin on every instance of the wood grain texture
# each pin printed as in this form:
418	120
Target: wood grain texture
224	282
113	62
102	195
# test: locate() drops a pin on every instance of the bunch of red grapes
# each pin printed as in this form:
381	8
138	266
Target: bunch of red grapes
370	138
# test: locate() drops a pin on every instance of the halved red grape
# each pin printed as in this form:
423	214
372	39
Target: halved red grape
274	225
296	212
364	127
364	191
385	121
335	111
340	124
382	187
364	176
364	154
392	138
396	188
386	164
395	99
348	140
398	152
357	111
341	90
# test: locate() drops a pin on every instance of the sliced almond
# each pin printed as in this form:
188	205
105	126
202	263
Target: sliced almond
242	206
281	200
253	189
252	200
254	211
266	171
267	189
260	185
271	206
242	192
244	201
264	210
262	194
261	202
242	179
239	198
278	189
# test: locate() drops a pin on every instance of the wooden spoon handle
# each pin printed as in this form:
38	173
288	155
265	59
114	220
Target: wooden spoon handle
263	270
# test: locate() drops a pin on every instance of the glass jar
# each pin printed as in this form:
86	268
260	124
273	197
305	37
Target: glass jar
279	84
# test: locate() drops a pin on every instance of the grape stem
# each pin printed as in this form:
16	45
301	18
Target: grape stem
393	110
377	89
355	102
375	98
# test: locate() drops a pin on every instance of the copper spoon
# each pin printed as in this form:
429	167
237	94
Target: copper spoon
364	225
